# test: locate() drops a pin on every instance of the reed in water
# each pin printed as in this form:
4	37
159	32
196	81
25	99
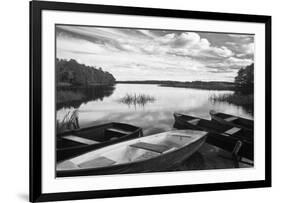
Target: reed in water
69	121
134	99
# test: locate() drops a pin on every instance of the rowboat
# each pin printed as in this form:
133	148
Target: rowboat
231	120
223	136
146	154
78	141
192	122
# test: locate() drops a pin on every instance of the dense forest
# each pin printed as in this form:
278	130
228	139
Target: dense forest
72	73
245	78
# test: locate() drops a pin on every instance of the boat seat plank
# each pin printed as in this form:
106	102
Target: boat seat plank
232	130
232	118
80	139
194	121
68	165
177	135
223	134
151	147
98	162
119	131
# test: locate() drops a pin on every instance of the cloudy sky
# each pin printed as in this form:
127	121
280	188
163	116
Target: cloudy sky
140	54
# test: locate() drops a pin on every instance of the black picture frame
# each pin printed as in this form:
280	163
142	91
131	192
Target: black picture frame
36	8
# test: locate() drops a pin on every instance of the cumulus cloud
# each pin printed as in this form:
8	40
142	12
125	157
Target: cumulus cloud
192	45
149	54
248	48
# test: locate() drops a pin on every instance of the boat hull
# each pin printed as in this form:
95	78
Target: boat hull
157	164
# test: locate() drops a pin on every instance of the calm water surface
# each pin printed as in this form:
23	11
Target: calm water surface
103	105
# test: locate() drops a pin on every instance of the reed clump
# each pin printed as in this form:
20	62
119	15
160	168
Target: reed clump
244	100
140	99
238	99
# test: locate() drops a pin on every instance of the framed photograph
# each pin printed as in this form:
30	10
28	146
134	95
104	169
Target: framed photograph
128	101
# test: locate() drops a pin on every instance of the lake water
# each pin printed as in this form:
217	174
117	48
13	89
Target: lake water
102	105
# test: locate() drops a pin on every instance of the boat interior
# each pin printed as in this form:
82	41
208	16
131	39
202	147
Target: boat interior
205	124
235	120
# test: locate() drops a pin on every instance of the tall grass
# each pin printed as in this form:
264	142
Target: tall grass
69	122
238	99
134	99
244	100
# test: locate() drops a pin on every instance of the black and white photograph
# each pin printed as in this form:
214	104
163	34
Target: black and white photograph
137	100
132	101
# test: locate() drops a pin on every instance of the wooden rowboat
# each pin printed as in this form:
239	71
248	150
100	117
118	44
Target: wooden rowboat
146	154
78	141
192	122
231	120
223	136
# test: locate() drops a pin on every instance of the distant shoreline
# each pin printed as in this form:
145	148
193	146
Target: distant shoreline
64	84
212	85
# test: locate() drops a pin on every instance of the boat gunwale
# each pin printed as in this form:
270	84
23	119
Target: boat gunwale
213	112
96	126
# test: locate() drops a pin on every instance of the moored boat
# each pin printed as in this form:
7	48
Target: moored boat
150	153
223	136
231	120
78	141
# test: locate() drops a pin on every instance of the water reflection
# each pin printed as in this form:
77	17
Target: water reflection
68	97
102	106
157	116
151	122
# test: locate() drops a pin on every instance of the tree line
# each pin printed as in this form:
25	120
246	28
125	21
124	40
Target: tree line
75	74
